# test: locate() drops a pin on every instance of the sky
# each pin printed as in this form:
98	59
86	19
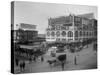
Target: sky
38	13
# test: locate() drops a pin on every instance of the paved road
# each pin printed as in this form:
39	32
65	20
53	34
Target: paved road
86	59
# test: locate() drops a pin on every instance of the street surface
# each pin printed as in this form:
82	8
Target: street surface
85	59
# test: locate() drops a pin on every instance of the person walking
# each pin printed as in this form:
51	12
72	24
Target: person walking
23	65
17	62
42	58
62	64
34	58
75	60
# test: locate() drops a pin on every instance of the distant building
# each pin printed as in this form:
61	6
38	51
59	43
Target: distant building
25	33
95	29
72	28
41	37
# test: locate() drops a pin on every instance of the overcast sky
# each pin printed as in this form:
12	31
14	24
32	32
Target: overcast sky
38	13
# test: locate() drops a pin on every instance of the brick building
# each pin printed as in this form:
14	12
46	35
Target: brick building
72	28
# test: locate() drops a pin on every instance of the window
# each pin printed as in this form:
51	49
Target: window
53	34
53	28
77	24
58	39
80	33
64	40
58	33
77	19
70	24
58	27
87	33
63	33
48	33
70	39
63	27
76	33
70	34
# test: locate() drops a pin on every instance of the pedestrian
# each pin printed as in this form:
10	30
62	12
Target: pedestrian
17	62
34	58
42	59
62	64
23	65
30	59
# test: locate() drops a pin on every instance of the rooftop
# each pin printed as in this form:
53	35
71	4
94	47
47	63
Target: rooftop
87	15
25	26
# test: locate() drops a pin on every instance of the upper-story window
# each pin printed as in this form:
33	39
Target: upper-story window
77	19
80	33
53	28
87	33
58	27
63	27
84	33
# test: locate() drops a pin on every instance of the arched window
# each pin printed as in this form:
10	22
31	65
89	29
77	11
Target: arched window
58	33
53	34
63	33
70	34
76	33
80	33
48	33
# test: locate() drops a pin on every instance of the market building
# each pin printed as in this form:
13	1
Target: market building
71	28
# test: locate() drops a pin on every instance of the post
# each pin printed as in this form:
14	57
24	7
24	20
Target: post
75	60
62	63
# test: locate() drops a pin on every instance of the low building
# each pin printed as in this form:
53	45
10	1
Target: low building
41	37
26	33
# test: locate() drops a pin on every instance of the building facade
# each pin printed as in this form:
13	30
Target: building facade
70	28
25	33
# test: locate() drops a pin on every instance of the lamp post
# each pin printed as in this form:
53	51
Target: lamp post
75	60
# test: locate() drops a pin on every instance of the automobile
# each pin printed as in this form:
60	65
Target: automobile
53	54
